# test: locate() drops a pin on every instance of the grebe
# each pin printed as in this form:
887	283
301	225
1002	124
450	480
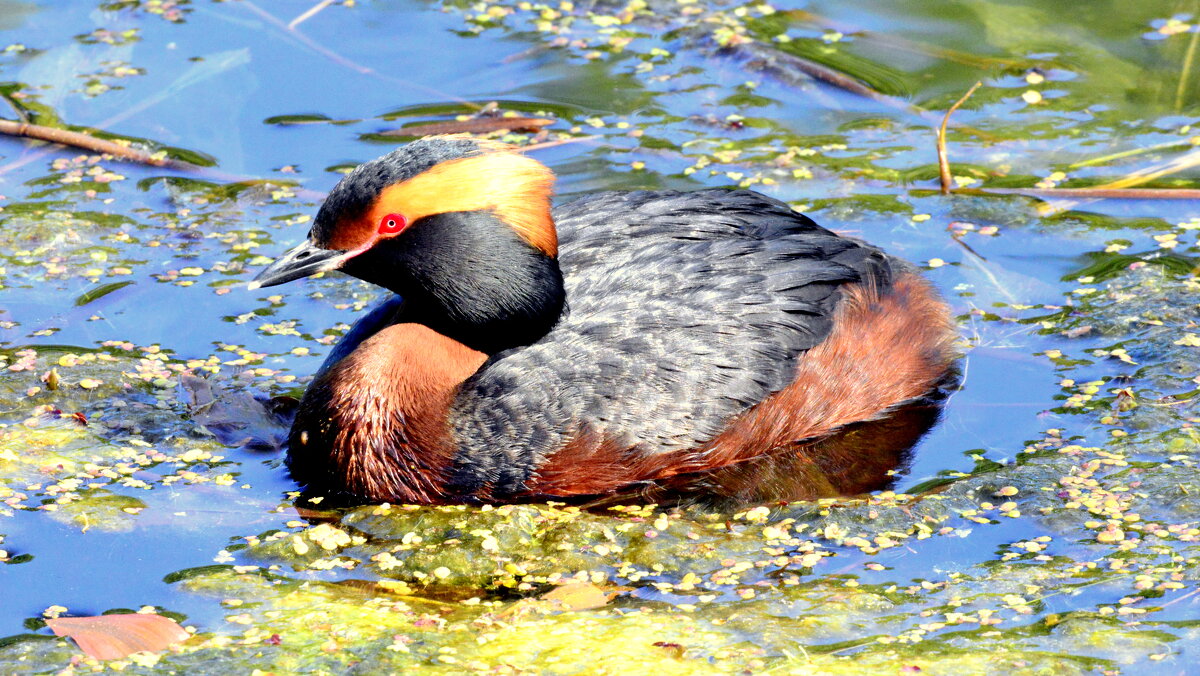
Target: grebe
621	339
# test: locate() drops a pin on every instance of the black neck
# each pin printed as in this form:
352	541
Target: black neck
470	277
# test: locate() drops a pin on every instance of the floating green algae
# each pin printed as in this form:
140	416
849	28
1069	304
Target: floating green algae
100	509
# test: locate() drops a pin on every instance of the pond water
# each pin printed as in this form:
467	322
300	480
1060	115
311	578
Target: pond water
1056	520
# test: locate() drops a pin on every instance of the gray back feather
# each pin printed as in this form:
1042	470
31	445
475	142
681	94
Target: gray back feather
685	309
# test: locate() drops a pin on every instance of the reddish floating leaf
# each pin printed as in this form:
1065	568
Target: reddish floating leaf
112	637
475	125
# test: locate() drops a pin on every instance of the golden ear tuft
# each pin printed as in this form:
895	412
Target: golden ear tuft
515	187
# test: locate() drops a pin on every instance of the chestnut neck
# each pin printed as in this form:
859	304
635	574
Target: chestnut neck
374	424
471	278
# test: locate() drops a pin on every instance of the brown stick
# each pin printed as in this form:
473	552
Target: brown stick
125	114
958	238
79	140
74	139
943	160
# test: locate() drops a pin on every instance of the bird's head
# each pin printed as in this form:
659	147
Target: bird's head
459	227
386	200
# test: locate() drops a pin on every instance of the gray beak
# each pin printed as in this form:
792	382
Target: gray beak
302	261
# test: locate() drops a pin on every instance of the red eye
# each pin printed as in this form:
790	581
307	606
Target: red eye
392	224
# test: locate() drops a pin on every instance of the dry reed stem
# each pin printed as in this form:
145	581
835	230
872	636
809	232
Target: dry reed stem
943	160
80	140
308	14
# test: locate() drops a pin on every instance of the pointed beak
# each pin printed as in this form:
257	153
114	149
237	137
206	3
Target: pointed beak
303	261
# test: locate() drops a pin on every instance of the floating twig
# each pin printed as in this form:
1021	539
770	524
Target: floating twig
475	125
1125	188
80	140
310	13
958	238
943	160
75	139
196	74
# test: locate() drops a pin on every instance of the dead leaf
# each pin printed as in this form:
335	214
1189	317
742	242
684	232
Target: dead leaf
112	637
570	596
676	650
475	125
239	419
578	596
